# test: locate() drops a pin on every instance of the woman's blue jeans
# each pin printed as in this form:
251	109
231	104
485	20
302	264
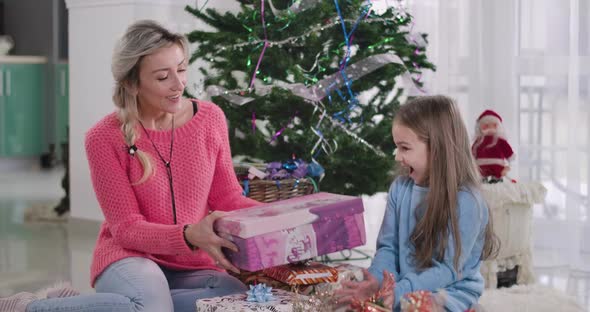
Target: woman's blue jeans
139	284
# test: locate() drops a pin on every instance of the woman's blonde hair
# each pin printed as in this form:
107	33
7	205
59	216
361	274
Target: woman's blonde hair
142	38
437	122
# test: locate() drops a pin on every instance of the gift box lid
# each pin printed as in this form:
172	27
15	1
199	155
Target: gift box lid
286	214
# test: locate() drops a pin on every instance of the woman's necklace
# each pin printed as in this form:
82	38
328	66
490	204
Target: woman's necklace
167	164
161	127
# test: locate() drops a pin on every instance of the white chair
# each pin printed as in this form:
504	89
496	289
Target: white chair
511	210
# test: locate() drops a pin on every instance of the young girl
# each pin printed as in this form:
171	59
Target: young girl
436	227
159	165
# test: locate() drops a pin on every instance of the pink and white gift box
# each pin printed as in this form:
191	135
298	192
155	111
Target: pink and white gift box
293	230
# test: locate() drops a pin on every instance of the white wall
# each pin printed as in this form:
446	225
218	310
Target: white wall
94	27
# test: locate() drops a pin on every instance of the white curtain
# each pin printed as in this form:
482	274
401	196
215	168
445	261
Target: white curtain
529	61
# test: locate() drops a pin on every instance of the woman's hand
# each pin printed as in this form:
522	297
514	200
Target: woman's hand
361	291
202	236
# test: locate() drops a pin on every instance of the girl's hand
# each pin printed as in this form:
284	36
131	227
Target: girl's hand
361	291
388	300
201	235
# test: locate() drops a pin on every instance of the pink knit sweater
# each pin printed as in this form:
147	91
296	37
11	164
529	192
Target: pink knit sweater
138	218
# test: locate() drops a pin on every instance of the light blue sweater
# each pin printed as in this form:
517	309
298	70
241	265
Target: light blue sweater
394	250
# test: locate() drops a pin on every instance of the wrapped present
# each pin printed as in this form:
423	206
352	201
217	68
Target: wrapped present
380	301
303	274
258	277
423	301
282	301
346	272
293	230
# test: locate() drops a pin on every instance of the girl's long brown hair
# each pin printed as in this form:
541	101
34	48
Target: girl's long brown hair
437	122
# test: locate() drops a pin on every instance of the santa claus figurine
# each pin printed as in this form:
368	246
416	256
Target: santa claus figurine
490	148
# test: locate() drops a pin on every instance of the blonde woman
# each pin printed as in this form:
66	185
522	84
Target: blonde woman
162	172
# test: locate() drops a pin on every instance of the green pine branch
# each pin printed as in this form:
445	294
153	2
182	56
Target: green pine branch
317	52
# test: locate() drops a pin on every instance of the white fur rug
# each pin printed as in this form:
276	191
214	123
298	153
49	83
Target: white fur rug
528	298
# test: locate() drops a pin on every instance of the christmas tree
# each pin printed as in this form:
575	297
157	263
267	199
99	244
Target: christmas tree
315	79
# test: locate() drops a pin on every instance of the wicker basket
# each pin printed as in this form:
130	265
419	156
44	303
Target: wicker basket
267	191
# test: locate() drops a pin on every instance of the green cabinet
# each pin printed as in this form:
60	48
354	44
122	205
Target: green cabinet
22	91
61	103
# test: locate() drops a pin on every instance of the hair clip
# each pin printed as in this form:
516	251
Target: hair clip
132	150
